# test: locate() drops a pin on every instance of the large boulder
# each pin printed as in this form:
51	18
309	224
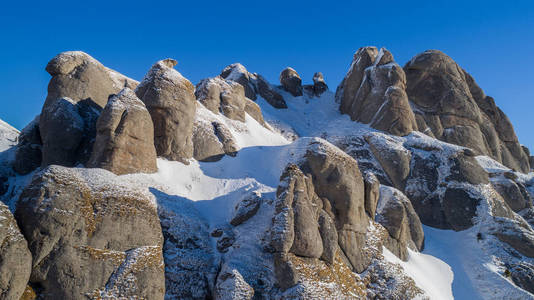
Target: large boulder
170	100
238	73
232	286
319	85
220	95
78	76
337	178
212	140
373	92
457	111
15	258
269	93
291	82
86	221
125	137
396	214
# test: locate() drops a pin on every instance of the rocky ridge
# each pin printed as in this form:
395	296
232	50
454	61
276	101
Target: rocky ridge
161	189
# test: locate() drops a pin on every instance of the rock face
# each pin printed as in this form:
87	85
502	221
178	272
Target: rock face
15	258
29	155
396	214
373	92
291	82
269	93
231	285
84	221
455	109
225	96
78	76
245	209
238	73
212	140
125	137
319	85
79	89
170	100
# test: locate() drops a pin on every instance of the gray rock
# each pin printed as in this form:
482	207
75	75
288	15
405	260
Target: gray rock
28	155
78	76
284	270
514	193
520	238
327	228
319	85
75	226
522	275
125	137
396	214
336	177
170	100
373	92
232	286
246	209
395	161
372	193
254	111
459	208
225	96
238	73
269	93
15	258
62	129
457	110
212	140
291	82
465	168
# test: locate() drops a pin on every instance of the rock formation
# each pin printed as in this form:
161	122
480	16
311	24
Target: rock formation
373	92
29	153
170	100
15	258
91	224
448	101
125	137
291	82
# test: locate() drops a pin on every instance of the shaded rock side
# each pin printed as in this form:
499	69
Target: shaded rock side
373	92
212	140
86	221
28	155
170	100
396	214
125	137
291	82
15	258
457	111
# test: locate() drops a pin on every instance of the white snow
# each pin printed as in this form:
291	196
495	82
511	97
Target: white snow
429	273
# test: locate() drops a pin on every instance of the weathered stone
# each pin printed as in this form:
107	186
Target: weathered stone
465	168
28	155
284	270
459	208
246	209
396	214
15	258
232	286
78	76
457	110
513	193
212	140
75	226
269	93
395	161
254	110
373	92
319	85
125	137
372	193
170	100
327	228
238	73
522	275
291	82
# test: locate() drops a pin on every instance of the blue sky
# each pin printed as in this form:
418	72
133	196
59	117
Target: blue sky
493	40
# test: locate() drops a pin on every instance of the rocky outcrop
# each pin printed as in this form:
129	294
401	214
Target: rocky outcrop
67	129
246	208
28	155
15	258
238	73
80	77
231	285
373	92
269	93
319	85
125	137
291	82
85	221
396	214
372	194
523	275
212	140
456	110
170	100
514	192
225	96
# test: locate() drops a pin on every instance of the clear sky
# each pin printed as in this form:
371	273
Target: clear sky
493	40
